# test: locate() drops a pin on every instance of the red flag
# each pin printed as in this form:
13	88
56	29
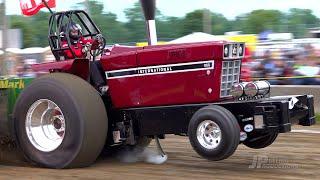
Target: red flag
32	7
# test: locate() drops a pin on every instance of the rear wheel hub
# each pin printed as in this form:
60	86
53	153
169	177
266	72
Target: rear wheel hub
45	125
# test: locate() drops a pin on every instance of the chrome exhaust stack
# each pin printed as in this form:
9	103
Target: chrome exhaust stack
149	8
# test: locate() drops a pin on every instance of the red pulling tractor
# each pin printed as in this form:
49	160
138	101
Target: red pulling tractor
93	98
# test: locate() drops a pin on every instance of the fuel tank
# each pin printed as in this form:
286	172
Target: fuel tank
165	75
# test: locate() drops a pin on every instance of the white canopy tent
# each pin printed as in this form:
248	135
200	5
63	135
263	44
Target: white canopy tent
33	50
197	37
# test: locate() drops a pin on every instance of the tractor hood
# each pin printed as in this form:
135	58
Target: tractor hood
119	49
122	57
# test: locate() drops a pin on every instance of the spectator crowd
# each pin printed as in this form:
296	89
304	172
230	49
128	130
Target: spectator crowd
286	65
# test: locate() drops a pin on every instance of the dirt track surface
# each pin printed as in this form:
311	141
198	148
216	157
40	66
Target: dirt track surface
292	156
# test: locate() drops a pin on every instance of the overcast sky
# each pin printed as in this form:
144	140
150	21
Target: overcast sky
229	8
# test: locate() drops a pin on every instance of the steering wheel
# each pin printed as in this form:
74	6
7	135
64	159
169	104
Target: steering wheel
99	50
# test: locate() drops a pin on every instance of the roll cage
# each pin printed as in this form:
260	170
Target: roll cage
59	29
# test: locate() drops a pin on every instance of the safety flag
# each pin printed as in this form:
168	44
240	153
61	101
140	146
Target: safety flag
32	7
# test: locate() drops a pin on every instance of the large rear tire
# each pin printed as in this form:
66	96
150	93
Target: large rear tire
60	121
214	133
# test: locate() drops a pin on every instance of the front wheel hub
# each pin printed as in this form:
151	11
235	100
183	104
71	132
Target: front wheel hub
209	134
45	125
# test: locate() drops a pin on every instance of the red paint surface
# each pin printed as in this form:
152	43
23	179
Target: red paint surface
79	67
155	90
46	67
119	61
169	88
32	7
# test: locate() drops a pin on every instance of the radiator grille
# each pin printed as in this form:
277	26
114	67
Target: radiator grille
230	74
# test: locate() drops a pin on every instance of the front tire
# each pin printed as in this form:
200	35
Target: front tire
60	121
214	133
260	140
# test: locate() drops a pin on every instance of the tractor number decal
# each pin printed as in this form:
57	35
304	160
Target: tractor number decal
161	69
12	84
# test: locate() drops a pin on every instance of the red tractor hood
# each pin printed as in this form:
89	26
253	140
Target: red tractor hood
116	49
123	57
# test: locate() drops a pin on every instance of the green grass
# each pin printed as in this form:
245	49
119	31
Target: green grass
318	117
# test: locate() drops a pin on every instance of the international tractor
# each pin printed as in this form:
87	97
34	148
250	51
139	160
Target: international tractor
94	98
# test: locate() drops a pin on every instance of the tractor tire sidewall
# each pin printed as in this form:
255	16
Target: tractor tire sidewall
230	132
85	118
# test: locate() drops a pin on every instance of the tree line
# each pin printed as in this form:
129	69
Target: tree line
296	21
